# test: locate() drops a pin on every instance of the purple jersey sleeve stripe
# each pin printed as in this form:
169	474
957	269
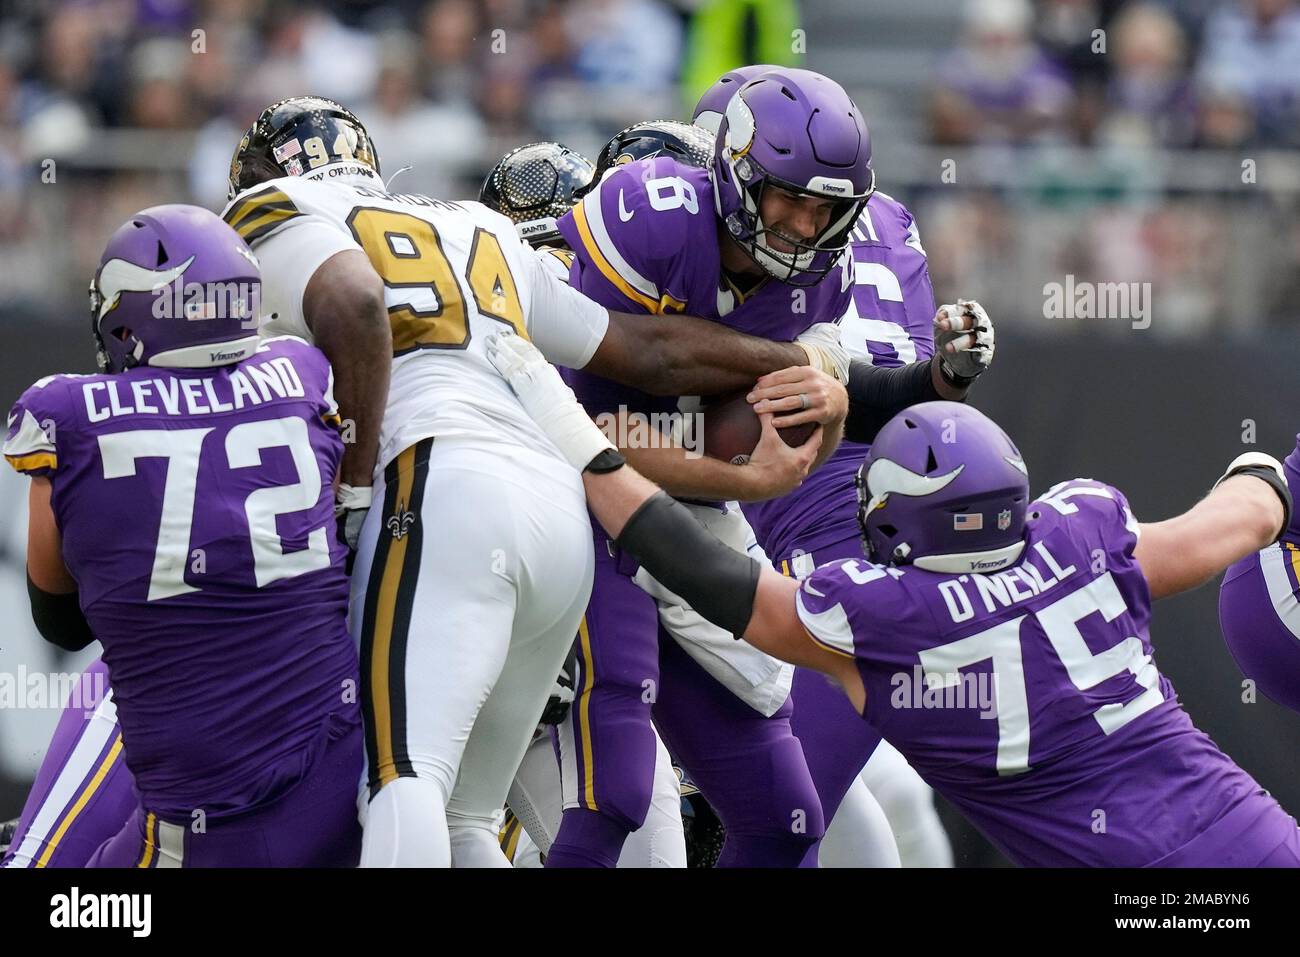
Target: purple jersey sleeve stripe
606	268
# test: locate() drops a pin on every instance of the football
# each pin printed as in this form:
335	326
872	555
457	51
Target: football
731	428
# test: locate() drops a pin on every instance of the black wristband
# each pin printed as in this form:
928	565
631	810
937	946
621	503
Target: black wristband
59	618
952	378
1279	486
717	581
610	460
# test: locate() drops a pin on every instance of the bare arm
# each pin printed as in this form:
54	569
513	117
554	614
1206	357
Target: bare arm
770	471
727	587
45	565
683	355
51	589
343	306
774	625
1240	516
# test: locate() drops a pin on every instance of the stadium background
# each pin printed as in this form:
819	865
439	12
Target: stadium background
1031	147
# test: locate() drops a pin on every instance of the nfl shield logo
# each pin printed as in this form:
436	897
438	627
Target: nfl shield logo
1004	519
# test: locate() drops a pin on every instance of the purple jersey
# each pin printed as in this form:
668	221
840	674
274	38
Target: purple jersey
196	508
1029	699
646	240
1291	468
889	322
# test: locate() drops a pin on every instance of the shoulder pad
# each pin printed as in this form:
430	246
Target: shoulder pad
263	209
639	224
31	440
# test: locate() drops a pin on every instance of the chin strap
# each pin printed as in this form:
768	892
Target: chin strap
958	563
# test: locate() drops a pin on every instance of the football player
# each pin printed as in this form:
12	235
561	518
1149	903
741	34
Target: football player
1259	608
181	512
340	299
1000	643
756	242
889	324
461	629
532	185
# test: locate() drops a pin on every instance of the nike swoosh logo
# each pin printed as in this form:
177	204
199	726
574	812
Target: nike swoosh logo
623	214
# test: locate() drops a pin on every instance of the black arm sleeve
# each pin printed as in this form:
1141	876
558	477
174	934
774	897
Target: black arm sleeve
59	619
877	394
717	581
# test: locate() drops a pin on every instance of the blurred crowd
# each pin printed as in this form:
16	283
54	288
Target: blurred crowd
1190	73
1096	123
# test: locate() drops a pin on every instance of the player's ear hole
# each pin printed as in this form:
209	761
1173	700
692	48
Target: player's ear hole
121	333
930	463
889	530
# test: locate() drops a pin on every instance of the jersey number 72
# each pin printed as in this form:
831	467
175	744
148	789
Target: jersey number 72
243	449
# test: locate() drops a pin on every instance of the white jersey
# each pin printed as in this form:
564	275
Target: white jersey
454	273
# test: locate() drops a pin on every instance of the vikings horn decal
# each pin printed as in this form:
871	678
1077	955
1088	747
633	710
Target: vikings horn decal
885	478
1017	464
740	126
118	276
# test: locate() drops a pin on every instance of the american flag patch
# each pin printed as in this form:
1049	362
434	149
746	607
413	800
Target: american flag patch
972	522
285	150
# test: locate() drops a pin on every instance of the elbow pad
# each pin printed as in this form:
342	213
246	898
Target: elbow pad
717	581
59	618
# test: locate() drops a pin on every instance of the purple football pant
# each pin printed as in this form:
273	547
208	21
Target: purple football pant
313	823
750	767
83	793
1259	612
836	741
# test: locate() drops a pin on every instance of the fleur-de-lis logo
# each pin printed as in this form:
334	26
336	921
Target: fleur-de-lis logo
400	522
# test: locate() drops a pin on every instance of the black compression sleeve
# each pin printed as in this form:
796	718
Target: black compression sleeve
877	394
717	581
59	619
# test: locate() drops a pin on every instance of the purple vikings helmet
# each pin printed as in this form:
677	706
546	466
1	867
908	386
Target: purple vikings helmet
176	287
798	131
708	112
943	488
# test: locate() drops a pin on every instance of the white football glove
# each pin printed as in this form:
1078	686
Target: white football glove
821	342
546	397
974	343
351	503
